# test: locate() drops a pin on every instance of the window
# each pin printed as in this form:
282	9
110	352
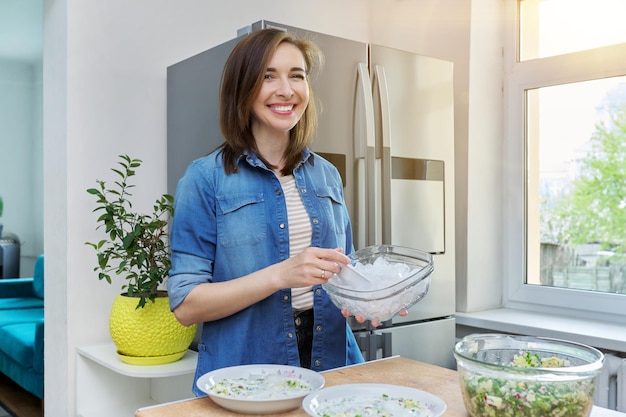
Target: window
565	154
556	27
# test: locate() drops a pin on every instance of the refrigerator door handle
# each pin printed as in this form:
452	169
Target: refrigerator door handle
364	151
382	94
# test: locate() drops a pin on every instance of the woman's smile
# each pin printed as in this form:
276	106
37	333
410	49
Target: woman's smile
282	108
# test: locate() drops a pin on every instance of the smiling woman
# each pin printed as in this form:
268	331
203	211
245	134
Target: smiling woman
263	191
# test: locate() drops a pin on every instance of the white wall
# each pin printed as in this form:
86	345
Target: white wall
479	287
104	85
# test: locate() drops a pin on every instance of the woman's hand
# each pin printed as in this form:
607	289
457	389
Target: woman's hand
312	266
374	323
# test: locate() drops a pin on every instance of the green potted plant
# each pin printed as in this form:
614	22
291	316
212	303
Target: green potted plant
136	247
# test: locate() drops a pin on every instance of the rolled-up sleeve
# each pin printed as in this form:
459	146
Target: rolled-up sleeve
192	235
188	272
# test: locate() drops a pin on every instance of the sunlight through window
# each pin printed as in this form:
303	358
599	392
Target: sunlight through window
556	27
575	136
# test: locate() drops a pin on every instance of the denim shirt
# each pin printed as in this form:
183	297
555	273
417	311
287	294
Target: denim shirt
228	226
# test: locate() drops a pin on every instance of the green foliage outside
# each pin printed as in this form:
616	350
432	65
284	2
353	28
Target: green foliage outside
593	210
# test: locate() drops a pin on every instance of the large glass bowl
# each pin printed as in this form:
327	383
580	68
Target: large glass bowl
497	381
381	281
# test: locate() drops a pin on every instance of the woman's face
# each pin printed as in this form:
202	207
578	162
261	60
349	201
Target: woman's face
284	94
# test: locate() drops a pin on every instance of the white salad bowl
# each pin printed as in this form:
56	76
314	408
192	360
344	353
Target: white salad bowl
372	400
260	389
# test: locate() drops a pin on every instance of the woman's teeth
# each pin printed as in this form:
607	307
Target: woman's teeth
282	108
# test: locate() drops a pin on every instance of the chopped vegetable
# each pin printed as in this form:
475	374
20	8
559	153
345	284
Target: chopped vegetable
270	387
532	360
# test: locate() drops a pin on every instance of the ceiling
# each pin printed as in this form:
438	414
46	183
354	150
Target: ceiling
21	30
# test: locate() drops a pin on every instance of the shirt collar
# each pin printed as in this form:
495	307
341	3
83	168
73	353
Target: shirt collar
253	160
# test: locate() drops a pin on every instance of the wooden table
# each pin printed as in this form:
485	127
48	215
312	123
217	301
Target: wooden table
439	381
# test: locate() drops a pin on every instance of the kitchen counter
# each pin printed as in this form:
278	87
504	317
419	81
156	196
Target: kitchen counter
439	381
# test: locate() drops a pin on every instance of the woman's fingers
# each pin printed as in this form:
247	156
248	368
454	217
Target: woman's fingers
323	263
375	323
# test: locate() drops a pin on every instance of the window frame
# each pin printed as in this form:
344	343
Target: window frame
586	65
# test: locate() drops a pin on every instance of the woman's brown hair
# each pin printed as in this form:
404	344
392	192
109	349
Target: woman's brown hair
241	83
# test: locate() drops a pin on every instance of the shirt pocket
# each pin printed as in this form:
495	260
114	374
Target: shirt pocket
330	198
240	219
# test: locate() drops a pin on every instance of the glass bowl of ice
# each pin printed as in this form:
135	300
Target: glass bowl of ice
381	281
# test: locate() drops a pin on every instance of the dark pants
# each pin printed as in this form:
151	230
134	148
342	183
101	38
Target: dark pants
303	320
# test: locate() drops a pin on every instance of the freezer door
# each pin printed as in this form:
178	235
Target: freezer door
414	110
430	342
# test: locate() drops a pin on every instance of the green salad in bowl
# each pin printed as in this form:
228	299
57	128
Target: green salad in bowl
506	376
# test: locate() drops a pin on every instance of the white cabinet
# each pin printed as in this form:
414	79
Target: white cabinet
105	386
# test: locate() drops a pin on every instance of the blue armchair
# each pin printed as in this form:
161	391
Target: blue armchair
21	329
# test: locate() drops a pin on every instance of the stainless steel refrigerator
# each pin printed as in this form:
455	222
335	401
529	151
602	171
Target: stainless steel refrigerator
387	124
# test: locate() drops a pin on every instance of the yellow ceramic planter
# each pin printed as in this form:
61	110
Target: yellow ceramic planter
149	335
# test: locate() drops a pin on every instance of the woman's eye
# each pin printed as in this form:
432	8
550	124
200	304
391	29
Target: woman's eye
268	77
298	76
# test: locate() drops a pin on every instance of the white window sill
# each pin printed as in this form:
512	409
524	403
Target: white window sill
602	335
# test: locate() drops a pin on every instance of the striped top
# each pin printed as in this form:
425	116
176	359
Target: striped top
299	236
